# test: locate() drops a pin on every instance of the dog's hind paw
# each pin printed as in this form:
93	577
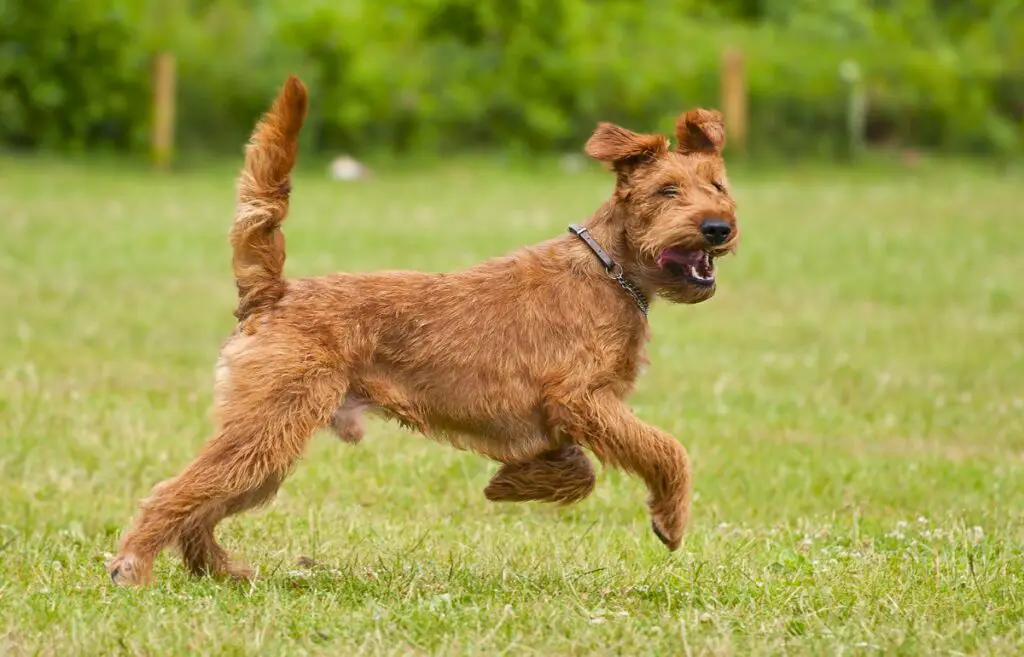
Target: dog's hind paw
125	570
239	572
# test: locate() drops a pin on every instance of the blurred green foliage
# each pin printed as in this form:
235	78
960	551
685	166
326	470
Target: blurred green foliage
449	75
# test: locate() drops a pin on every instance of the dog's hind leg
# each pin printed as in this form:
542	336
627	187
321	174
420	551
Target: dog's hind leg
263	429
563	476
200	551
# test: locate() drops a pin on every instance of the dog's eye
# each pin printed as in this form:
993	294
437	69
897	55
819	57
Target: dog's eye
669	190
719	186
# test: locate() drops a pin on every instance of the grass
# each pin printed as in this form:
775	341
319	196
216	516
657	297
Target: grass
853	401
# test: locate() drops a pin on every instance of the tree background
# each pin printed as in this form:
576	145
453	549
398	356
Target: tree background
444	76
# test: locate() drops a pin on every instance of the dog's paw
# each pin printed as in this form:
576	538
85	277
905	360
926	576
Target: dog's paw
672	545
668	521
239	572
502	491
125	570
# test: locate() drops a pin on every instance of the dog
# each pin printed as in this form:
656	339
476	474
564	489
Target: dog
526	359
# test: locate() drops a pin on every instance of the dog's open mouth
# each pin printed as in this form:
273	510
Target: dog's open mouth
697	267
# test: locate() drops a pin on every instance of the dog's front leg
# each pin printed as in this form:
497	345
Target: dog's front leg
563	476
619	439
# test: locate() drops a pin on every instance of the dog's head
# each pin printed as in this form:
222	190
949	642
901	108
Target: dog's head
674	206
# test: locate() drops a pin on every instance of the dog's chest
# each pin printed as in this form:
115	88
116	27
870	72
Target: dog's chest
630	364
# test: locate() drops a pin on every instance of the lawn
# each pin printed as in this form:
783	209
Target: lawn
852	399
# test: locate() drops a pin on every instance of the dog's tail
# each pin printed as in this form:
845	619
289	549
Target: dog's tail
263	190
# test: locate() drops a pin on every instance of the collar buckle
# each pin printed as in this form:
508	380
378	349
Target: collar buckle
613	268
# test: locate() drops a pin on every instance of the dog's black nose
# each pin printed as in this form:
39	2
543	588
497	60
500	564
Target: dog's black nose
715	231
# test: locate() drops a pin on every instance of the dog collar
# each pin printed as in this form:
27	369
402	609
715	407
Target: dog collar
613	268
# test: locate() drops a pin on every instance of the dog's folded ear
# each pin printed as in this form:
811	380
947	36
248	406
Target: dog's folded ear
617	146
700	131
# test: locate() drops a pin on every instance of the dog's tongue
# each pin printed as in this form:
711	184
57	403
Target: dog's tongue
685	258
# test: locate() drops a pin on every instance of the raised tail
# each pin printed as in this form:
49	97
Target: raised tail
263	190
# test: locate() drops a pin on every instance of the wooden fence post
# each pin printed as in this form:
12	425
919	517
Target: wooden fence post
163	109
734	99
856	106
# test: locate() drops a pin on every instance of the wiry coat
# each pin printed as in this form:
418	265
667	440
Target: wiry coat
525	358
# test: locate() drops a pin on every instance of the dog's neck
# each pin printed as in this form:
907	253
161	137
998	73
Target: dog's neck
607	227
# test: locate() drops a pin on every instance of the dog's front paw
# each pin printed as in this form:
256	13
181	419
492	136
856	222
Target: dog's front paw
668	522
672	546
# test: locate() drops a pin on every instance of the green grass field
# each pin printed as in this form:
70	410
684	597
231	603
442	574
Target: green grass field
852	399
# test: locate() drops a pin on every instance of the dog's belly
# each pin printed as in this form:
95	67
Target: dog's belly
506	439
503	438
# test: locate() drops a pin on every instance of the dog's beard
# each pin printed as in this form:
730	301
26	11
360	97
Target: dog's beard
681	292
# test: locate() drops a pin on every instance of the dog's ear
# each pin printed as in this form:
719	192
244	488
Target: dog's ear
700	131
622	148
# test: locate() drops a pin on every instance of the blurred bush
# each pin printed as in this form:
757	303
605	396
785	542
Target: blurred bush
449	75
70	76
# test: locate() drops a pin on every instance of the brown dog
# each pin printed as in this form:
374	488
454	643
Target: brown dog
525	358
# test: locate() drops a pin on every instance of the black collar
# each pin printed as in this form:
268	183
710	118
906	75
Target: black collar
613	268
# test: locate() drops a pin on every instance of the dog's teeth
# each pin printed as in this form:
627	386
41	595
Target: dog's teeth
696	274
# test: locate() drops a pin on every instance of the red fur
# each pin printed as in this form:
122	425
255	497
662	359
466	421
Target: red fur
526	358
